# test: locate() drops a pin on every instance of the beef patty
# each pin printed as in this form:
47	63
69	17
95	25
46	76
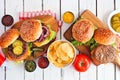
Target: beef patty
22	55
105	53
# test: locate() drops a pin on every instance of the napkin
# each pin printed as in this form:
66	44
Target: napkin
27	15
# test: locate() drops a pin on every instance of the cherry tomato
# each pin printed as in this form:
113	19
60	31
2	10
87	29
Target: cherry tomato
81	63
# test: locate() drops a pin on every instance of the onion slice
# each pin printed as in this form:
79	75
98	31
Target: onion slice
45	33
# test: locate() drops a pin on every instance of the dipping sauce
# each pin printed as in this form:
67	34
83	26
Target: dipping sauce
61	53
7	20
30	65
115	22
68	17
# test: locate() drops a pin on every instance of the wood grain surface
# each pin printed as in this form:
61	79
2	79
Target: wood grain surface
100	8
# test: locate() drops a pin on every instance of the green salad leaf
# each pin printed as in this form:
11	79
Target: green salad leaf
92	43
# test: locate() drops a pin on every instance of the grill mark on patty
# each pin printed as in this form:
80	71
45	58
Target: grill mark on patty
105	54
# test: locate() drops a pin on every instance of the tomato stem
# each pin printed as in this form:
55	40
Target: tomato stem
82	63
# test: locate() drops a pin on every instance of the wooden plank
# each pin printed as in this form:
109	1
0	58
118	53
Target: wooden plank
55	8
90	16
2	69
52	72
90	74
31	5
12	69
104	7
69	73
117	7
36	75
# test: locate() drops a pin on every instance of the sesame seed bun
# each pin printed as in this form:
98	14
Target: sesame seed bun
30	30
104	36
8	37
83	30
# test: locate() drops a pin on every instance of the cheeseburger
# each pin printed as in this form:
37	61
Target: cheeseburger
29	39
38	32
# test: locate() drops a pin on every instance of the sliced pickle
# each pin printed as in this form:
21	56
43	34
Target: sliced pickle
17	43
115	18
115	22
18	50
115	26
38	49
118	15
118	29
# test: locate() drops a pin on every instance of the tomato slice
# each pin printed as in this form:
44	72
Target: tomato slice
81	63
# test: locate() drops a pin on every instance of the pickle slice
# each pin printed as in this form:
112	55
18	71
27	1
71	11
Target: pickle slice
118	15
17	43
115	26
18	50
118	29
115	18
115	22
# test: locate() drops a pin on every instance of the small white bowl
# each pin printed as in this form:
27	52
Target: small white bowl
109	21
72	47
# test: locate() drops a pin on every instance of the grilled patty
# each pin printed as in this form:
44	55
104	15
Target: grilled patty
105	54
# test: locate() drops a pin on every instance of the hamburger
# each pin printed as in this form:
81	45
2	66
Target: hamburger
38	32
104	36
100	41
83	30
30	38
106	51
44	32
103	54
13	46
82	35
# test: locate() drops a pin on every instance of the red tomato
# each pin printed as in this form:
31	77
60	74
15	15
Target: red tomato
81	63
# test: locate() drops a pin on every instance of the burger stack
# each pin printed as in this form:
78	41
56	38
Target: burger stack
101	41
29	39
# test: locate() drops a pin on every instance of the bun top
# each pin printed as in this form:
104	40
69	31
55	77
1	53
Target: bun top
30	30
8	37
104	36
83	30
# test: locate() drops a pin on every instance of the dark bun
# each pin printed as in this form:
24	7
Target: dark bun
8	37
83	30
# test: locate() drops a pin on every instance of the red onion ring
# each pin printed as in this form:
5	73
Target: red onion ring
45	33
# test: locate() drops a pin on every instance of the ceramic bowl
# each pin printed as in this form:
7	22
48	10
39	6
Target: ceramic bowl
109	21
53	44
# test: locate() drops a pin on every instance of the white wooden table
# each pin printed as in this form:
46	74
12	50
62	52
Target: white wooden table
101	8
